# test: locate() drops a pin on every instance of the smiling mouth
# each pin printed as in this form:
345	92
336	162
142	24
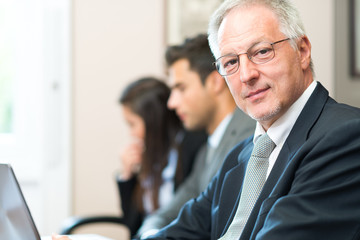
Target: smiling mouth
256	94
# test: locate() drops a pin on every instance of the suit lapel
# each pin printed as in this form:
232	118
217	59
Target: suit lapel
231	189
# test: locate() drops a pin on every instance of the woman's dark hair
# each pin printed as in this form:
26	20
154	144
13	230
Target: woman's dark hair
147	97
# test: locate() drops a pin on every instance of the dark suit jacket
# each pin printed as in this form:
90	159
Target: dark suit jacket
189	145
312	192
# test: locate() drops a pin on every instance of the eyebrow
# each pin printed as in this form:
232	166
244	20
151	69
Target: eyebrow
253	44
177	85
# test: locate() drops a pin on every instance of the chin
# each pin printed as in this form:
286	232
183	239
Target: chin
265	116
189	126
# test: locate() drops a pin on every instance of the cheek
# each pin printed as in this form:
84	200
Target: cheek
138	131
235	90
134	131
192	94
289	86
194	97
141	132
231	86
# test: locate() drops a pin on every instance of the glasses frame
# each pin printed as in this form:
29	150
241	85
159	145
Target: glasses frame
249	57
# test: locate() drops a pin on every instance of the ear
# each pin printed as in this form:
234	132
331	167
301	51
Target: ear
305	52
215	82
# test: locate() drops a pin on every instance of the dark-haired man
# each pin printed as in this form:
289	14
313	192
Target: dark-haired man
202	100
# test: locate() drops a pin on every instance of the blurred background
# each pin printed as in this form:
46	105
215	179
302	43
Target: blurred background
63	64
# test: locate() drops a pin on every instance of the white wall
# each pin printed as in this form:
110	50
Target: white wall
318	17
347	86
114	42
327	24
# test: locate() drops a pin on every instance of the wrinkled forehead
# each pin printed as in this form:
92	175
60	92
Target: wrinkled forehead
244	26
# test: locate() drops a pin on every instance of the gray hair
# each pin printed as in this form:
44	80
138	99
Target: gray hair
290	22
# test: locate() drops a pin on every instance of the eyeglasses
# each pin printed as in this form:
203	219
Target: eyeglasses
259	53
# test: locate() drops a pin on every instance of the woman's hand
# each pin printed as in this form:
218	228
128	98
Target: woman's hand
131	158
59	237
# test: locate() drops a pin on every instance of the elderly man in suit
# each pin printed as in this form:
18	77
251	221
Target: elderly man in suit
298	177
202	100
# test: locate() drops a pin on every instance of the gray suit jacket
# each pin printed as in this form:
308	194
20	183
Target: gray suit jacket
239	128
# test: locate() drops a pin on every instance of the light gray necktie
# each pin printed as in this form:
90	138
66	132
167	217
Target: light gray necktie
254	181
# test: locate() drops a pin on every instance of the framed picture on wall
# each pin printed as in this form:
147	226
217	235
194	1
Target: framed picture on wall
185	18
355	37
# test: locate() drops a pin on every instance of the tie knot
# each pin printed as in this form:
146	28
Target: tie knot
263	147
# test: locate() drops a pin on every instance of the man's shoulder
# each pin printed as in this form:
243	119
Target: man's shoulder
240	148
241	126
239	116
335	115
240	120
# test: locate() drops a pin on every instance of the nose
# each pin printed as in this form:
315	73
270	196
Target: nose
172	101
247	69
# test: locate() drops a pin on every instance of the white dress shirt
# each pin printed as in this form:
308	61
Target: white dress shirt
215	138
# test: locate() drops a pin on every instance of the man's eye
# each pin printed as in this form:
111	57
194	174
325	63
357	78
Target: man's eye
261	53
230	62
181	89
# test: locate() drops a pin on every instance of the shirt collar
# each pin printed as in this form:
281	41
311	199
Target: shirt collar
215	138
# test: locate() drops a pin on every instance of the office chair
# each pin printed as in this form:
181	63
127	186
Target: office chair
73	223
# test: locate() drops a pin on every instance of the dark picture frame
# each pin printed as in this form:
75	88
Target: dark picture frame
354	10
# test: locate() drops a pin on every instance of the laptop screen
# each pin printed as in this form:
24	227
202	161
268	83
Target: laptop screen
16	222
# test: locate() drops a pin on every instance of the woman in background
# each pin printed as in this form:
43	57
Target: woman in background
160	154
